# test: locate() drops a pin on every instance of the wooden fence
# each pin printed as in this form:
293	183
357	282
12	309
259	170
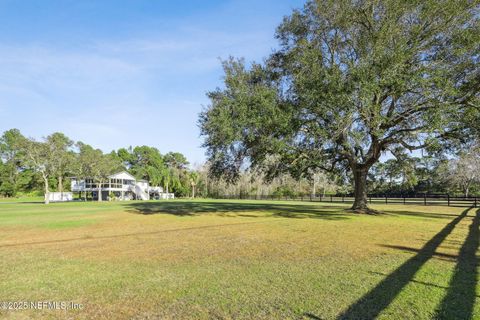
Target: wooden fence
413	199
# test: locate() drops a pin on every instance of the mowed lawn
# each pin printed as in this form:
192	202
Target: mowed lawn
212	259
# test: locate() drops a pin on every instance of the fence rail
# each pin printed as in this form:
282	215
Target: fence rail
416	199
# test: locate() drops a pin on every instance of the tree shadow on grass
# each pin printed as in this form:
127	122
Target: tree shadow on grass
431	215
239	209
376	300
459	301
312	316
428	284
439	255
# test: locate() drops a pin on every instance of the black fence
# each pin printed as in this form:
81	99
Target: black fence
414	199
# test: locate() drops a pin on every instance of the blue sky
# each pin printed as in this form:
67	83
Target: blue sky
121	73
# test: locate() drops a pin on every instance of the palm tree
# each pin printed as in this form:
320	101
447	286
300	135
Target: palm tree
193	181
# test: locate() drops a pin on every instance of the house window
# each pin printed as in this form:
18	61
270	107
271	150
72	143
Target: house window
128	182
116	183
89	183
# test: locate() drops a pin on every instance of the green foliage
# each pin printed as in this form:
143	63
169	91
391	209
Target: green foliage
147	163
11	162
285	191
93	163
26	164
7	189
62	157
176	160
351	81
168	171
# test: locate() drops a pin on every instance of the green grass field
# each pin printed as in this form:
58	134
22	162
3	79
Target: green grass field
239	260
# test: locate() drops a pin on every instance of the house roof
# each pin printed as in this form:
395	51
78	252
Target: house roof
122	175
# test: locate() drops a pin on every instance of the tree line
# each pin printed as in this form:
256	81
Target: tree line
457	176
28	165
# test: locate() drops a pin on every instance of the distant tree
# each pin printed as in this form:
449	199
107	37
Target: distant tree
401	173
40	158
11	156
194	178
50	158
94	164
176	160
147	163
431	174
321	181
143	162
7	188
127	157
166	178
465	171
204	181
62	156
181	183
351	80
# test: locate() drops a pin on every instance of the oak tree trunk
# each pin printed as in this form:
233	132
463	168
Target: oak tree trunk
360	181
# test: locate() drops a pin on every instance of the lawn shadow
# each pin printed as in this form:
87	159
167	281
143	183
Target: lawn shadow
439	255
376	300
311	316
422	214
459	301
239	209
428	284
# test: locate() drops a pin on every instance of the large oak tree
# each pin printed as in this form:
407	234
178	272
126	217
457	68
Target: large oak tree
350	81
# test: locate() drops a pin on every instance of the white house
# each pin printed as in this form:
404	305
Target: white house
122	186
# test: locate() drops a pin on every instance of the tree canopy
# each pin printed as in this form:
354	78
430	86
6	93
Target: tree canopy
11	157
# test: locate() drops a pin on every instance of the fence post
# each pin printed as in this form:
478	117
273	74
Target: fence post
475	201
403	199
310	197
331	198
343	198
386	199
425	199
448	199
370	199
